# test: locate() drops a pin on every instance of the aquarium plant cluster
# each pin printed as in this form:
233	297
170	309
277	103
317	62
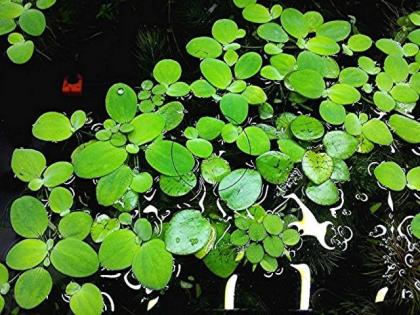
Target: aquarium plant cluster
149	143
21	21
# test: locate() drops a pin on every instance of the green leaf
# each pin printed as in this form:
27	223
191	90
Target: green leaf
256	13
377	131
32	288
172	113
254	95
74	258
143	229
406	128
290	237
257	231
202	89
176	186
146	128
396	67
341	172
52	126
336	30
384	101
121	103
308	83
97	159
10	10
214	169
204	47
294	23
234	107
118	249
248	65
389	46
28	217
352	124
178	89
200	147
273	224
273	246
413	178
142	182
4	274
153	265
28	164
254	253
403	93
26	254
313	19
253	141
102	227
332	113
60	200
292	149
57	174
6	26
187	232
325	194
225	31
323	46
112	187
274	167
241	188
75	225
243	3
169	158
415	226
359	43
167	71
272	32
339	144
216	72
414	36
32	22
209	128
390	175
317	166
45	4
21	52
87	301
353	76
307	128
343	94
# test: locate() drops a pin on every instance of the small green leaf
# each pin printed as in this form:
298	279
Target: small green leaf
87	300
121	103
26	254
143	229
28	217
253	141
32	288
75	225
294	23
273	224
172	113
60	200
167	71
390	175
214	169
274	167
339	144
413	178
290	237
200	147
248	65
323	46
142	182
52	126
336	30
406	128
325	194
216	72
272	32
10	10
225	31
45	4
415	226
256	13
307	128
343	94
32	22
57	174
254	253
112	187
28	164
234	107
317	166
204	47
377	131
209	128
176	186
332	113
359	43
308	83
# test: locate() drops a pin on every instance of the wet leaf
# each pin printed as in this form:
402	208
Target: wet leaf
112	187
87	301
390	175
214	169
274	167
317	166
32	288
216	72
75	225
406	128
28	217
339	144
28	164
204	47
176	186
26	254
253	141
325	194
121	103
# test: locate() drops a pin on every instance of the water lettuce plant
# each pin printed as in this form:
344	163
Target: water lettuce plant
284	104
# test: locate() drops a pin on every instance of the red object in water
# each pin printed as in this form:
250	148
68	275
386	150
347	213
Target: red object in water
73	88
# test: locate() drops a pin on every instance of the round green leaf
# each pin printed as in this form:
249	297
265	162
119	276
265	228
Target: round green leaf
313	19
74	258
121	103
187	232
403	93
225	31
248	65
307	128
332	113
323	46
176	186
52	126
273	246
209	128
204	47
10	10
200	147
254	253
377	131
142	182
97	159
253	141
102	227
389	46
256	13
60	199
353	76
28	217
406	128
273	224
272	32
390	175
241	188
341	172
153	265
172	113
32	288
254	95
325	194
396	67
118	249
203	89
359	43
415	226
384	101
167	71
257	231
216	72
274	167
290	237
45	4
21	52
26	254
87	301
413	178
234	107
308	83
169	158
57	174
336	30
143	229
294	23
214	169
343	94
352	124
28	164
317	166
6	26
339	144
147	127
32	22
76	225
112	187
239	238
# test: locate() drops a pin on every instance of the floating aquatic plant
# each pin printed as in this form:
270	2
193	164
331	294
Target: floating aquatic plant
253	101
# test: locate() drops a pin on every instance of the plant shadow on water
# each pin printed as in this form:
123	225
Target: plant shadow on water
102	46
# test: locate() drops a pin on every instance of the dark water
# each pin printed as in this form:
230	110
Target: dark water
104	51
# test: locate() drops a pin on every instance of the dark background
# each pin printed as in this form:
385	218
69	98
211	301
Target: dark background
104	47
